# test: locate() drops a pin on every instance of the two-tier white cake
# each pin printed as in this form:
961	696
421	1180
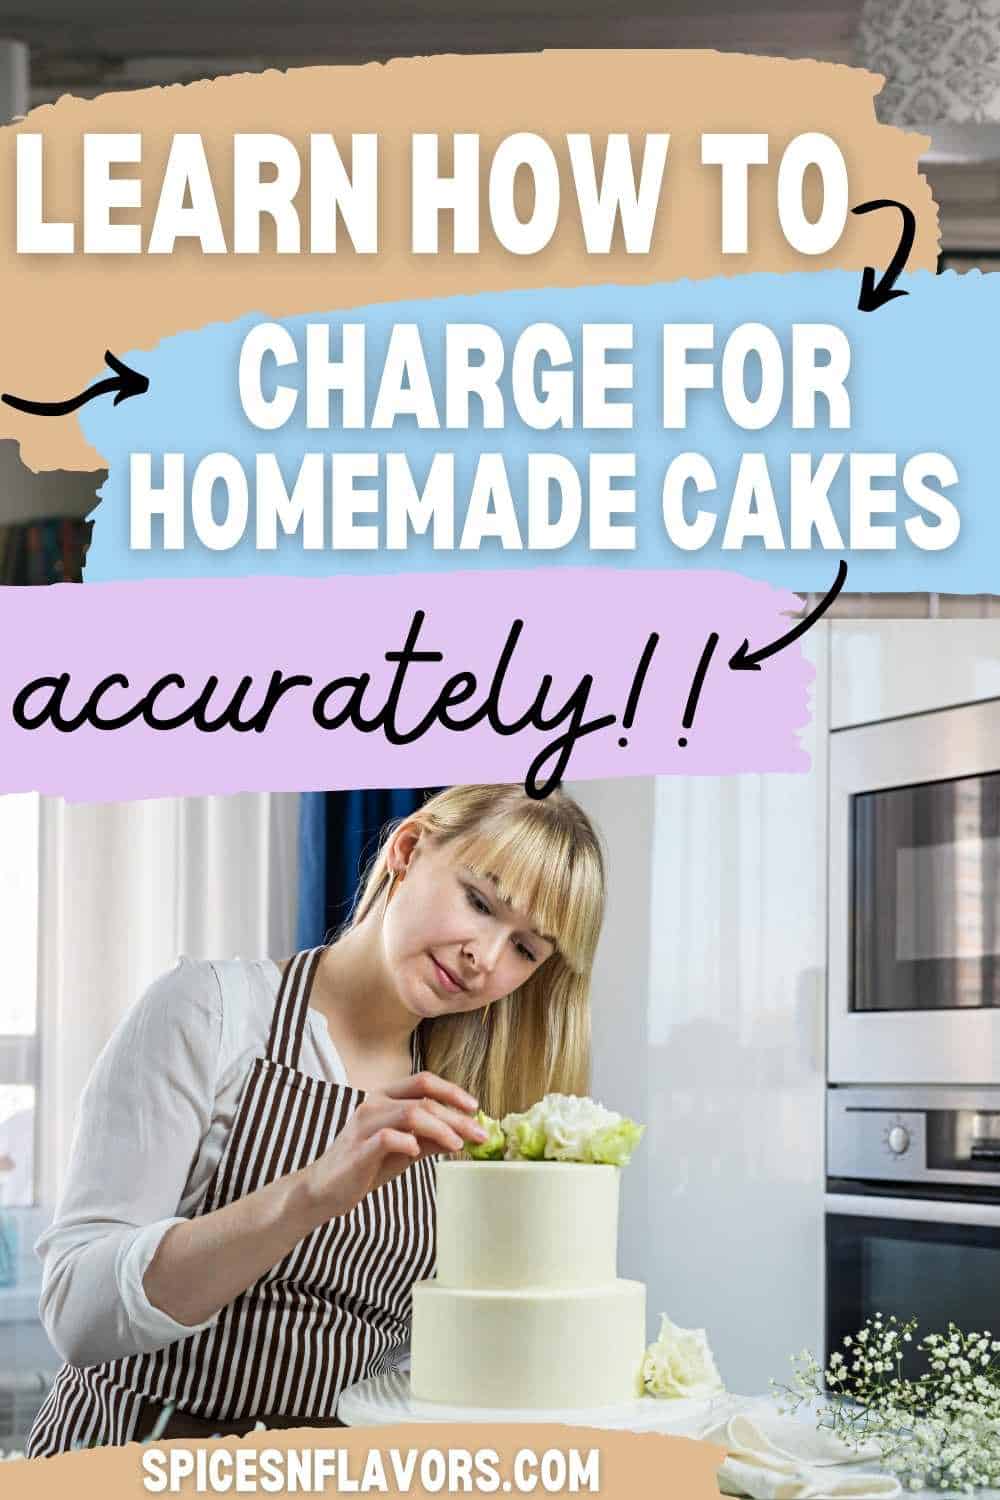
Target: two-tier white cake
527	1309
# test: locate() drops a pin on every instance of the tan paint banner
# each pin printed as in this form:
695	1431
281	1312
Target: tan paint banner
64	310
414	1459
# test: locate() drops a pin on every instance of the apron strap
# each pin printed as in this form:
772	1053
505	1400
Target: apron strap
291	1007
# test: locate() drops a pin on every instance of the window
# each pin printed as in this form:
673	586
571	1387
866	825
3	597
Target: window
19	851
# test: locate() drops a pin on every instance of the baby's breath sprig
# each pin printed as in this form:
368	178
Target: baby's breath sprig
937	1430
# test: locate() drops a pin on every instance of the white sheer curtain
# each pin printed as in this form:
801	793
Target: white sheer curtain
124	889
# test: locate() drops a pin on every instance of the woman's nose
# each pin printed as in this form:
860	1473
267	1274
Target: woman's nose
484	953
490	951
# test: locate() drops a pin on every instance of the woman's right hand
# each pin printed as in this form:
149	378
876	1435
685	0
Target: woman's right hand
423	1115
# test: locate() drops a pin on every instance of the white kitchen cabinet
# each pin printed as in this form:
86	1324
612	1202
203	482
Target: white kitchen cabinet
881	669
709	1025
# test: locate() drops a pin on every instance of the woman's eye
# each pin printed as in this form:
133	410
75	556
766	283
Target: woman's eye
476	901
526	953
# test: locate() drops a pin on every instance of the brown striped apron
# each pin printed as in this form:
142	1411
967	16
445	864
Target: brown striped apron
334	1311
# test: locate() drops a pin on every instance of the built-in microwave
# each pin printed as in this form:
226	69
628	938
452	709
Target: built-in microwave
914	937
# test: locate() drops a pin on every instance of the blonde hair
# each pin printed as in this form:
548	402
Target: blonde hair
546	859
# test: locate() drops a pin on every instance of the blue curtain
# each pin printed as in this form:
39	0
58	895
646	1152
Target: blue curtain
338	834
44	551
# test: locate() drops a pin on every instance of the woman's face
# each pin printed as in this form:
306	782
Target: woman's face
450	943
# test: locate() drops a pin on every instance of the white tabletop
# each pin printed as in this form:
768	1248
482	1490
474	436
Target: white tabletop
386	1400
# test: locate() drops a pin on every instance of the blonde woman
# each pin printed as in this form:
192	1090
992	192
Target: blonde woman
251	1192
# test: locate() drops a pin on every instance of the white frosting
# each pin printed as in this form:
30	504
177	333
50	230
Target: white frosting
527	1310
522	1224
575	1348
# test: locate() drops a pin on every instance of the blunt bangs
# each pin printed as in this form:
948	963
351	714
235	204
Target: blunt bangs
538	868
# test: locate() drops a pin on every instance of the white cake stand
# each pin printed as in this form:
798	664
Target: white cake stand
386	1400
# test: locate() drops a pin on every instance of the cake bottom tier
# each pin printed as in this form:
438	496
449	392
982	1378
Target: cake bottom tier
531	1347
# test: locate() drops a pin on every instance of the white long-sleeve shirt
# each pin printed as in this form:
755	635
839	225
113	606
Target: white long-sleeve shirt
150	1131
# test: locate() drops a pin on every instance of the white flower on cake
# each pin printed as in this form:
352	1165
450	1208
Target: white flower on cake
561	1127
680	1363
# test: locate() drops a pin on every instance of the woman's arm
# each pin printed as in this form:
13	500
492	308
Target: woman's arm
123	1272
202	1264
139	1128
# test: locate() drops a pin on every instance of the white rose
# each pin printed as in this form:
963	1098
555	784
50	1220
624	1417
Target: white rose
569	1122
570	1127
680	1363
558	1127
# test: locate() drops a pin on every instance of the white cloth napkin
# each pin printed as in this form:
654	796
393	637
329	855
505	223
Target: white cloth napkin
773	1457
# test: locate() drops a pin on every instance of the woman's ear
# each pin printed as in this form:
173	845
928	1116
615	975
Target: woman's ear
403	846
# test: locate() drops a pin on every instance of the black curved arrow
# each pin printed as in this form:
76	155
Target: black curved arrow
745	660
874	293
125	382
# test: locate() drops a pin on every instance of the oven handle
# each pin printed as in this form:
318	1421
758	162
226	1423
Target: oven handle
931	1210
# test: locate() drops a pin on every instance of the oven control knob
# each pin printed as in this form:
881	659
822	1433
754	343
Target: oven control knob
898	1140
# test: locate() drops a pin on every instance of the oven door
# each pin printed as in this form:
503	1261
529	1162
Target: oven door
914	961
936	1261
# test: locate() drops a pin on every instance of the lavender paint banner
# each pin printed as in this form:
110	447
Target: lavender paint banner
156	688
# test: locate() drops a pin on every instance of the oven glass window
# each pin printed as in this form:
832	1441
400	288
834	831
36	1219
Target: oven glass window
936	1273
925	910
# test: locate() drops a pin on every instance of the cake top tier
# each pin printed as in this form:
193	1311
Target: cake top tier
526	1223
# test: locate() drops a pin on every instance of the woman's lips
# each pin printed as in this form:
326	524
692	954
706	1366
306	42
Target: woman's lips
450	984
